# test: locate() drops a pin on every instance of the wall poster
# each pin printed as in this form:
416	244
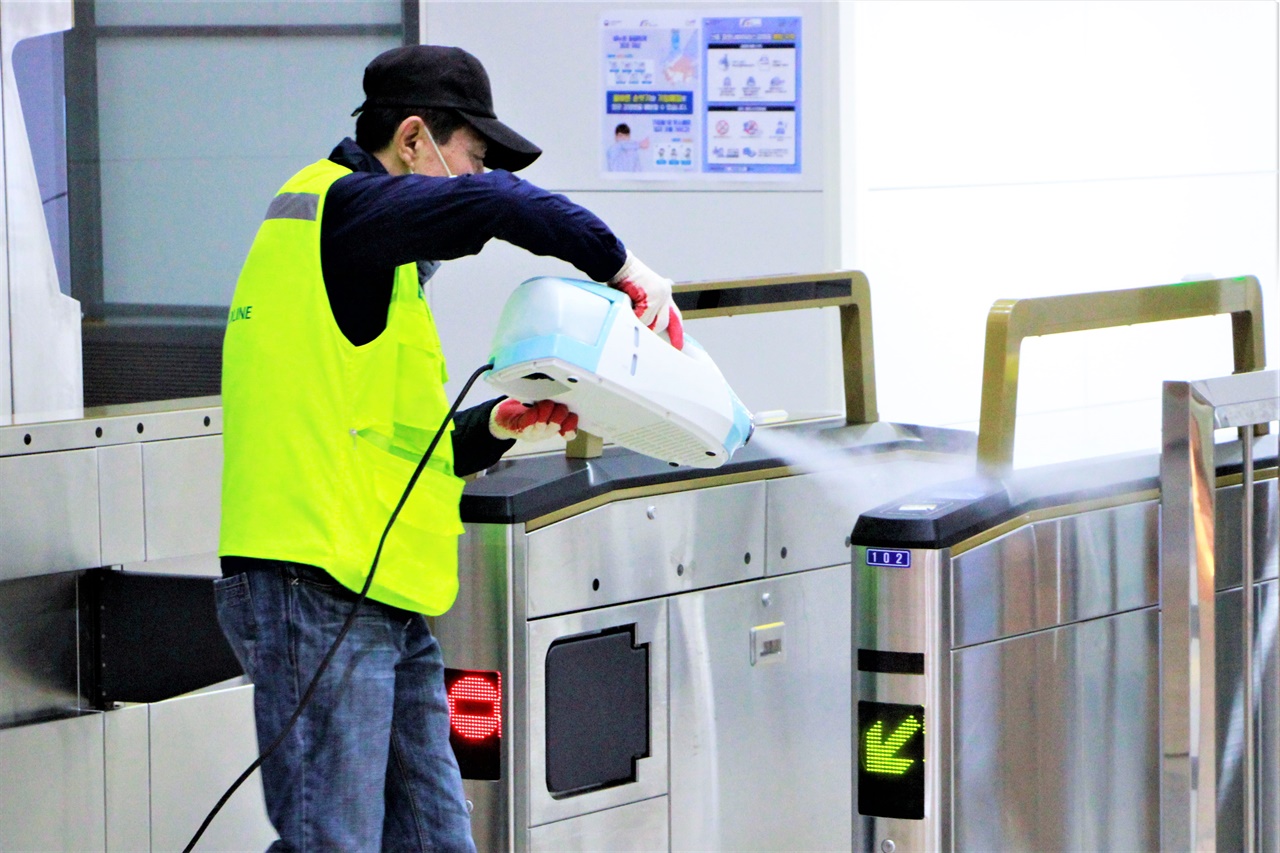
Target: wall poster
688	95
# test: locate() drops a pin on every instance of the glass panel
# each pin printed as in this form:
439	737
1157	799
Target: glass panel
196	135
255	12
38	71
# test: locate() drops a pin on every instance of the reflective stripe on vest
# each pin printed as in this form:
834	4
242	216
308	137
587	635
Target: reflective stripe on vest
320	437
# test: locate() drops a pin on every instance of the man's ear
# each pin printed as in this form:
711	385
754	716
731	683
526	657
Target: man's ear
408	135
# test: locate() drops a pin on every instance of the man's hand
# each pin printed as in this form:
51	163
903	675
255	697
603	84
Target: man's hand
651	298
536	422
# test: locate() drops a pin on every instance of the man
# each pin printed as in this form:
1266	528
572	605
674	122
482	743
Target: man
624	154
333	385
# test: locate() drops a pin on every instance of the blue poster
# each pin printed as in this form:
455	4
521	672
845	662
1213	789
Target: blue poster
752	95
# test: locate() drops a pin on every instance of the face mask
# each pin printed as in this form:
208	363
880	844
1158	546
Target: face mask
426	269
443	162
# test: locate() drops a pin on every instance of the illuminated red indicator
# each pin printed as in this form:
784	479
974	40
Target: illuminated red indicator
475	706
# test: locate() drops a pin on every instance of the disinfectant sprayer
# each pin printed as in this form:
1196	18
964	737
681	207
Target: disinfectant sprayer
581	344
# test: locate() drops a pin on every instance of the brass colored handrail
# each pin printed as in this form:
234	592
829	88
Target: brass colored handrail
1012	320
847	290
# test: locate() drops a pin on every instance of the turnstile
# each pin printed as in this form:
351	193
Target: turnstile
1007	651
1035	663
646	657
657	658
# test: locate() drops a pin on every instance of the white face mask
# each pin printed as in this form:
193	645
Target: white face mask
443	162
426	269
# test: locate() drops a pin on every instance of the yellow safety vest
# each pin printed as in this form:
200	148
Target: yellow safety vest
320	436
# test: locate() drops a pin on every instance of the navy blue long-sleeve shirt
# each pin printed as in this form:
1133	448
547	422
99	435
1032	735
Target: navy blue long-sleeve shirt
374	222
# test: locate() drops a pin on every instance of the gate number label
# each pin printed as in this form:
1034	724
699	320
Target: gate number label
895	558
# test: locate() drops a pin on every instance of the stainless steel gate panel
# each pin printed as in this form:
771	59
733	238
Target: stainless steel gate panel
123	525
635	828
200	743
182	487
1268	694
1056	572
1230	718
480	632
810	516
127	755
49	504
51	789
1008	586
905	610
1227	536
646	547
39	633
1054	738
760	732
1109	561
649	619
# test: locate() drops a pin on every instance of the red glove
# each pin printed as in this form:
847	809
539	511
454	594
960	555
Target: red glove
650	298
536	422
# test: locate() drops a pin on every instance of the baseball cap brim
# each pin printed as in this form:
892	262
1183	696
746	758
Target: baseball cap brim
507	149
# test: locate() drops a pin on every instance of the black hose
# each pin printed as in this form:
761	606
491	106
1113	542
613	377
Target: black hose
346	626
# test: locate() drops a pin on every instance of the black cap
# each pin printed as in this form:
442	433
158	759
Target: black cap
427	75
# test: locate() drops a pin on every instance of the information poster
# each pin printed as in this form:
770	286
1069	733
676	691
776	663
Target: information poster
687	95
653	85
753	94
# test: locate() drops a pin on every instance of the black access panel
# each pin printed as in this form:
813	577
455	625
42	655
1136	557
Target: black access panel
597	707
153	637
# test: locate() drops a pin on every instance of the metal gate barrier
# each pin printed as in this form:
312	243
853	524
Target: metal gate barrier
1036	665
657	658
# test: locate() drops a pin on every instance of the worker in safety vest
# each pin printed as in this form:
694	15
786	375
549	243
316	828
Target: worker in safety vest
333	386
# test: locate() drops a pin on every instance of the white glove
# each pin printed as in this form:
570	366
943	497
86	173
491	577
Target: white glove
650	293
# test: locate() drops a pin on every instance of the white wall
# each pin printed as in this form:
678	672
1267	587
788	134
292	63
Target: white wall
544	61
1017	149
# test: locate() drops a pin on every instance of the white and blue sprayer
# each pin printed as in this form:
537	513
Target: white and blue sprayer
581	344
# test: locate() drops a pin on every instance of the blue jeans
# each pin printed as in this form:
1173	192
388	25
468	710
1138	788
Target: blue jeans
368	765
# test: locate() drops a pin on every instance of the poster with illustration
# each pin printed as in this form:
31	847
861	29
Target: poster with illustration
693	96
652	88
753	94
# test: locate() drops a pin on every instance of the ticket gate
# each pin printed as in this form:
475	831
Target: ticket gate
1053	658
715	604
1008	639
657	658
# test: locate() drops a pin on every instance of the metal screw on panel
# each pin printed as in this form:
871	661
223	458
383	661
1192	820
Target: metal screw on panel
206	420
887	846
784	553
765	599
746	558
680	569
98	432
651	512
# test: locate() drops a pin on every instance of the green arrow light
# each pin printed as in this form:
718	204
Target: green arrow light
880	752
